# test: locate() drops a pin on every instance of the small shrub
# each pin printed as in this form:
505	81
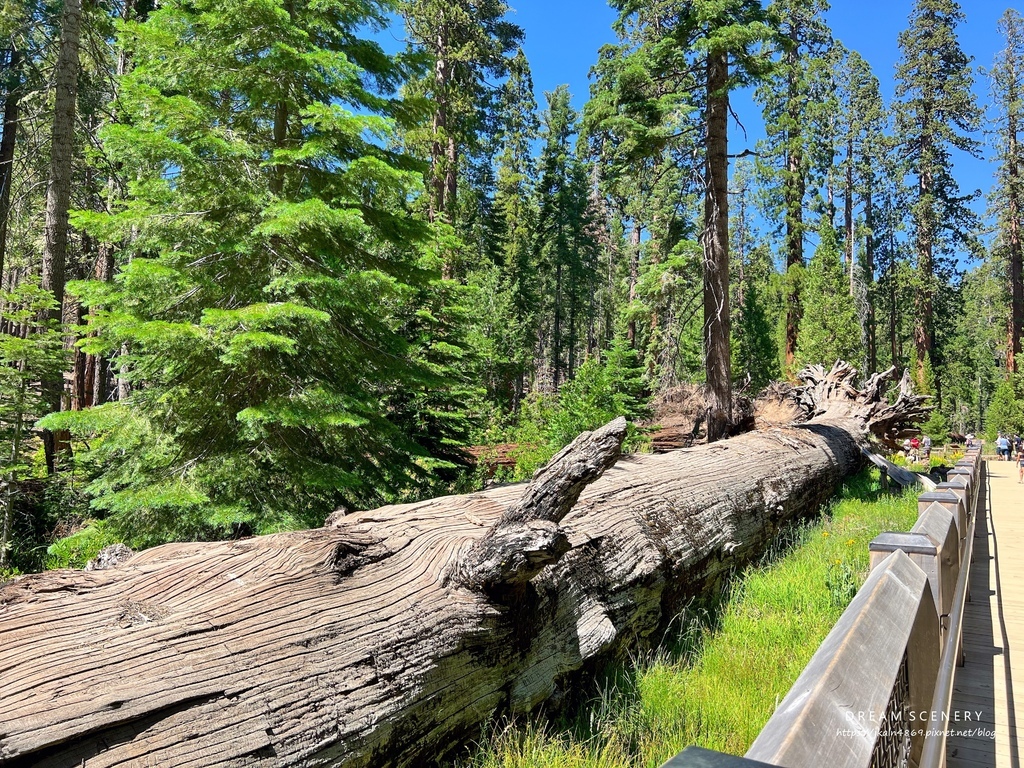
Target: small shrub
79	548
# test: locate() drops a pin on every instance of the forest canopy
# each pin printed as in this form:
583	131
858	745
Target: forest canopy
257	266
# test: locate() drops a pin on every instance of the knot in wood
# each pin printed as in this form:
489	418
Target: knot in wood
515	554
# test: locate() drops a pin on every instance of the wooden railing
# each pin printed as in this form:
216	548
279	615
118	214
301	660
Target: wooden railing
877	692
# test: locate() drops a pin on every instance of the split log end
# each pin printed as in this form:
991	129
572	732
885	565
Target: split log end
527	537
827	393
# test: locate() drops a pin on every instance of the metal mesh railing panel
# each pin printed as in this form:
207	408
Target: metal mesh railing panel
892	750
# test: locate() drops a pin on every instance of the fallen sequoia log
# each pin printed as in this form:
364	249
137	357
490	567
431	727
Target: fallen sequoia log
389	637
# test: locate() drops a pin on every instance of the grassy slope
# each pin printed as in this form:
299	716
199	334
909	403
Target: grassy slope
717	680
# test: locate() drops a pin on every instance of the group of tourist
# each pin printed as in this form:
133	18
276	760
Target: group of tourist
917	449
1008	446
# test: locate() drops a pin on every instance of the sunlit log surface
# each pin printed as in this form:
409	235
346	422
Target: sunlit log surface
389	637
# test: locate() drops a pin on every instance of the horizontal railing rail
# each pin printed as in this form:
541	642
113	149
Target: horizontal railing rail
878	690
934	755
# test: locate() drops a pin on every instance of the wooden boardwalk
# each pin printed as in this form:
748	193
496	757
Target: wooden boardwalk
993	631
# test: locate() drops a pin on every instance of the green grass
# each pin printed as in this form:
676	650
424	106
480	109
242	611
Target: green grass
717	681
937	459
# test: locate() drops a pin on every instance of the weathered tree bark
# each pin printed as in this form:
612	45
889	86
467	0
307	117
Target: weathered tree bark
8	143
715	241
794	188
389	636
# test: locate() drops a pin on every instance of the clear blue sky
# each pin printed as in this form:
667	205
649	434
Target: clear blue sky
563	37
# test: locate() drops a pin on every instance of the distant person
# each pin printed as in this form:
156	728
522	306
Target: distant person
926	447
1003	447
906	448
970	440
1020	466
915	448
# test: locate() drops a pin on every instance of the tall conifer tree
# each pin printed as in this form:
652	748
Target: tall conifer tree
862	120
565	248
516	212
828	330
282	334
676	51
469	44
1008	88
786	159
936	113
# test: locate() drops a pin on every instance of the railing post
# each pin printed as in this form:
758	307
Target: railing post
964	495
874	672
949	500
967	478
934	546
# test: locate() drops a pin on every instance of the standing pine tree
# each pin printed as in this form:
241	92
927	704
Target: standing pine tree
516	316
468	44
639	123
866	148
675	52
280	324
1008	198
13	30
754	351
936	113
34	353
785	157
829	329
58	193
564	245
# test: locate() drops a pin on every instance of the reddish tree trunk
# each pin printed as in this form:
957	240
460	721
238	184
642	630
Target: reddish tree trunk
716	250
58	192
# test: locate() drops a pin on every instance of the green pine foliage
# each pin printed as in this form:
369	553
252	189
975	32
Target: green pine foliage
282	327
567	253
31	354
829	330
971	367
603	389
516	311
467	45
936	115
600	392
308	274
755	345
1006	410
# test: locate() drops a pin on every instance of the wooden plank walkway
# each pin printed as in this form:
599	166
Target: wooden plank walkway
993	631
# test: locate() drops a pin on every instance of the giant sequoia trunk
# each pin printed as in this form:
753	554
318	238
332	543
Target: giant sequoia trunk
387	637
